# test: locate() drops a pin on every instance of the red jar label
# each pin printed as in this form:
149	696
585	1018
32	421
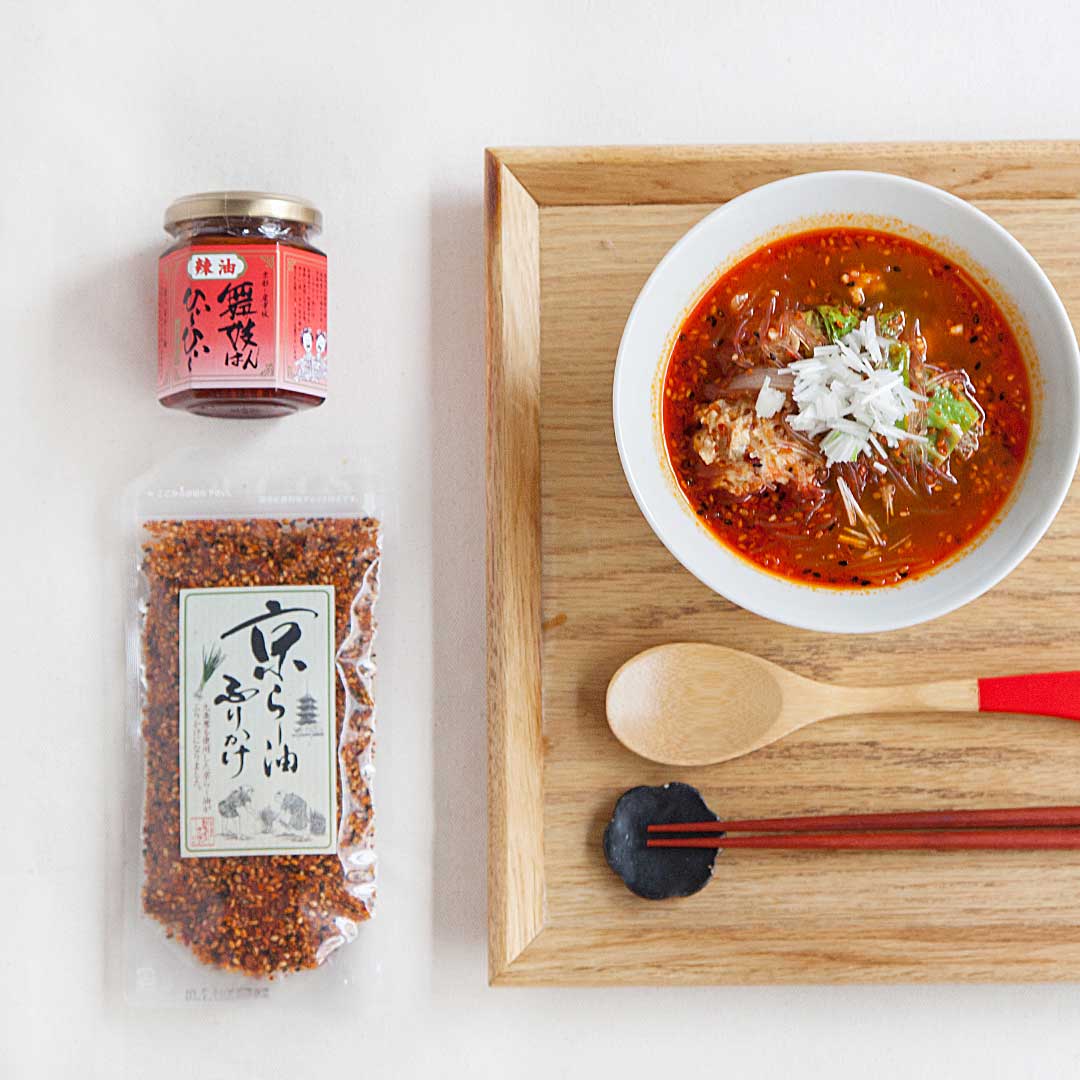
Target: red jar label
241	316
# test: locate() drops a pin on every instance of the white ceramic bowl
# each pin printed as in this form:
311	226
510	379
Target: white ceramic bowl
897	205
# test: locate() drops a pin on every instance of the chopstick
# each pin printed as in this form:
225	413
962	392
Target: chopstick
1044	839
1038	817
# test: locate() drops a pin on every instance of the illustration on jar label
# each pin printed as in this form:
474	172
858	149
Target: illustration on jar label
236	319
258	745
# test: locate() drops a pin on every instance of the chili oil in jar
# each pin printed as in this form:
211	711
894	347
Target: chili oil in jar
242	306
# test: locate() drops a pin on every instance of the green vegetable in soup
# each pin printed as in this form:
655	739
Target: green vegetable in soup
947	411
814	321
890	324
951	416
837	322
899	359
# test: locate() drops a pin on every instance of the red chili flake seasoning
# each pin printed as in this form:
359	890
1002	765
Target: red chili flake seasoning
264	914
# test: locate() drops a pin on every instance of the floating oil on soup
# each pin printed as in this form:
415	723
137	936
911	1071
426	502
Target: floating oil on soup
846	407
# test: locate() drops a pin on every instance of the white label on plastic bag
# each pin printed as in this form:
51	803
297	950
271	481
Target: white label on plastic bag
258	752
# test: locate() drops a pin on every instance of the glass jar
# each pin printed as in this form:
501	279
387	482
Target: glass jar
242	306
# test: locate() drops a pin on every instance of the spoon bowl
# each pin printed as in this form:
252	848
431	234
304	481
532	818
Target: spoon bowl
691	704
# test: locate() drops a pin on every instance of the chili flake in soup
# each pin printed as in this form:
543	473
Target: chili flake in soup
846	407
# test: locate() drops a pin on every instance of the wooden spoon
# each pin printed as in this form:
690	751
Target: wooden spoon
686	704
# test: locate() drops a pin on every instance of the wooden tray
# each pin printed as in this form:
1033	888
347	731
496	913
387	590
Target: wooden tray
577	583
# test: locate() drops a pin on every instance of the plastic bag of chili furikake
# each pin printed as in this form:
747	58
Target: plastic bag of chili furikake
255	654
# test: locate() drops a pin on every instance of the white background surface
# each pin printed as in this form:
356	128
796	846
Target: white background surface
379	113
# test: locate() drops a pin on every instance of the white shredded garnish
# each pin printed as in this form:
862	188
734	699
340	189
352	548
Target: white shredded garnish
856	513
881	468
870	341
870	525
848	397
850	505
769	400
855	540
888	491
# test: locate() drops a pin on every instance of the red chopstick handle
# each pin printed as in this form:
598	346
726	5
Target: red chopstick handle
957	840
1052	694
1030	817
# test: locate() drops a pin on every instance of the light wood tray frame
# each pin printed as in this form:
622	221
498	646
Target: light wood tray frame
577	583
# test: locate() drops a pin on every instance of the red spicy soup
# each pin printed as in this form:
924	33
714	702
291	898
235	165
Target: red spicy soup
846	407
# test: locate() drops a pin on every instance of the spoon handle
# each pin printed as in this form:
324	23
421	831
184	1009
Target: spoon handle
953	695
1050	694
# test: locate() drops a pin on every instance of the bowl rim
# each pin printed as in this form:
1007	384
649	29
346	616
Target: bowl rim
746	597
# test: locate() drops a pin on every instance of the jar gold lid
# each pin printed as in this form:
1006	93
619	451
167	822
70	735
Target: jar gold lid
241	204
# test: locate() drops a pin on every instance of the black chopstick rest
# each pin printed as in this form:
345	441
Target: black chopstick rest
652	873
